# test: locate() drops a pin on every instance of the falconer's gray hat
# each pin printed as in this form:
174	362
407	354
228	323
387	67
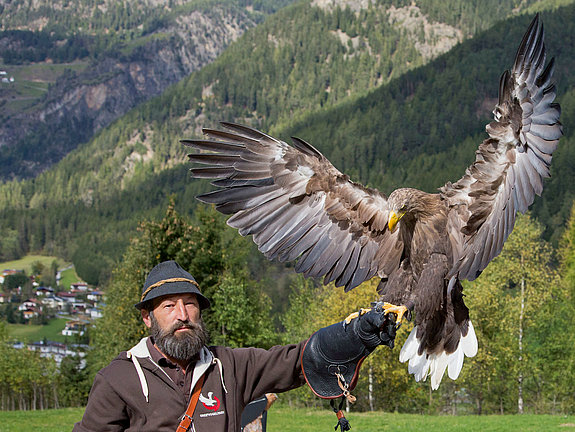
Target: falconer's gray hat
169	278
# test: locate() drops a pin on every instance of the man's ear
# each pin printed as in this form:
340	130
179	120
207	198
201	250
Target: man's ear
146	317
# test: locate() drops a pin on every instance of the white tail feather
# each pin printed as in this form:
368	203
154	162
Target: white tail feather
456	363
469	342
434	365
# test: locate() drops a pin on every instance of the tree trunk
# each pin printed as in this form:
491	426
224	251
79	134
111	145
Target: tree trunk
520	359
56	404
370	391
479	404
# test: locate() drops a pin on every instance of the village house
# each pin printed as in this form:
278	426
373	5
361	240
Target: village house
8	272
68	297
30	308
44	291
74	328
53	302
94	312
95	296
79	286
58	351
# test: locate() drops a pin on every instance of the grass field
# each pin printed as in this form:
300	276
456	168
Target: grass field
282	419
31	83
26	262
69	275
33	333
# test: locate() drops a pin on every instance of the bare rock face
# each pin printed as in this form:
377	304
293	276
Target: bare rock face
431	39
78	105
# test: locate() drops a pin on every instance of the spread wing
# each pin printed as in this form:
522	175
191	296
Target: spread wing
510	165
297	205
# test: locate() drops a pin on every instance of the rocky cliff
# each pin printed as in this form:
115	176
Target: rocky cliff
78	105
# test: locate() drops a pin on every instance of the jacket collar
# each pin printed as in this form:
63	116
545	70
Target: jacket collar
141	351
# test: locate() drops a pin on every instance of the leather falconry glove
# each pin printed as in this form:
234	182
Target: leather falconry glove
333	355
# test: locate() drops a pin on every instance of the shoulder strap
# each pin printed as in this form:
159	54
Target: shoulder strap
186	420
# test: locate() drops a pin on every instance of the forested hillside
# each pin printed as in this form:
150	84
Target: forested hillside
79	65
369	87
307	66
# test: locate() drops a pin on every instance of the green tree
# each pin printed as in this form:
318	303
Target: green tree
240	314
298	319
15	281
10	248
208	250
510	303
74	383
557	356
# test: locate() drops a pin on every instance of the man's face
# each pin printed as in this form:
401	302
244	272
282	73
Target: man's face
176	326
172	309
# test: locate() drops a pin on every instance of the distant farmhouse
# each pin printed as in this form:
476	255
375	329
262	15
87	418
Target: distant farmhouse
79	286
8	272
31	308
56	350
74	328
5	78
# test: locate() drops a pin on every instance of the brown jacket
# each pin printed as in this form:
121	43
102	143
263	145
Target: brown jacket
133	393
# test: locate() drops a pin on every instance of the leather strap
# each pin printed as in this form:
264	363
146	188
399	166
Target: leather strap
186	420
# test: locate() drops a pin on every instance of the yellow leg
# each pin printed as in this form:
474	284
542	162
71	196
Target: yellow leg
356	314
399	311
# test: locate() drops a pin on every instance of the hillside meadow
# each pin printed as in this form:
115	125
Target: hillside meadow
26	263
305	420
33	333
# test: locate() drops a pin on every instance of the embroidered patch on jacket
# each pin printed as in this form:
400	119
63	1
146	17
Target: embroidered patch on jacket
211	402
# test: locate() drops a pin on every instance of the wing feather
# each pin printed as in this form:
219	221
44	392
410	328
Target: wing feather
296	204
511	164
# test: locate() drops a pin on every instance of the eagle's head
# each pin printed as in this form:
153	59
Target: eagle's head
406	201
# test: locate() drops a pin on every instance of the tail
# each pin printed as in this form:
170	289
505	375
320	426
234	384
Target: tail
434	365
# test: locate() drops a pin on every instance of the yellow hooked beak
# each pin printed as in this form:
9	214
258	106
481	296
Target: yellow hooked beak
393	220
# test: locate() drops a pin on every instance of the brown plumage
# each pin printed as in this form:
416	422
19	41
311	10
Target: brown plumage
298	206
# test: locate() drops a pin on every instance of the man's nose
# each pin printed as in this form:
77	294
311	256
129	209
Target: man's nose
181	311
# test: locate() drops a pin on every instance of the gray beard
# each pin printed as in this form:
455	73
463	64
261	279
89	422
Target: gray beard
183	346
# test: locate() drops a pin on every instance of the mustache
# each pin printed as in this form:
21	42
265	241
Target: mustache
184	325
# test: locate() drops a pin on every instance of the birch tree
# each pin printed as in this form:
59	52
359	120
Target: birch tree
509	303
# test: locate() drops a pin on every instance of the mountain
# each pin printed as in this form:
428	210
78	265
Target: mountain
80	65
306	70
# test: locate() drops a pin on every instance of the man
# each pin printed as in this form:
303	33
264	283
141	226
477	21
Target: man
149	387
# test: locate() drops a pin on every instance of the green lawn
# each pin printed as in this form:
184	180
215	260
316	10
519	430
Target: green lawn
317	420
61	420
33	333
283	419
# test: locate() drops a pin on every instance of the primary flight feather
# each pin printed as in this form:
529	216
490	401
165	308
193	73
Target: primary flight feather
298	206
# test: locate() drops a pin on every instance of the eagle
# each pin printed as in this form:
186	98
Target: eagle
299	207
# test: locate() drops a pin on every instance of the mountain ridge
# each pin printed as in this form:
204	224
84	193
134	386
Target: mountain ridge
203	100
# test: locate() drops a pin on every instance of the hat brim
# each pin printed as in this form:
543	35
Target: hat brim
175	288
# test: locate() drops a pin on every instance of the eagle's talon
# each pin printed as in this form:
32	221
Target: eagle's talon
399	311
354	315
